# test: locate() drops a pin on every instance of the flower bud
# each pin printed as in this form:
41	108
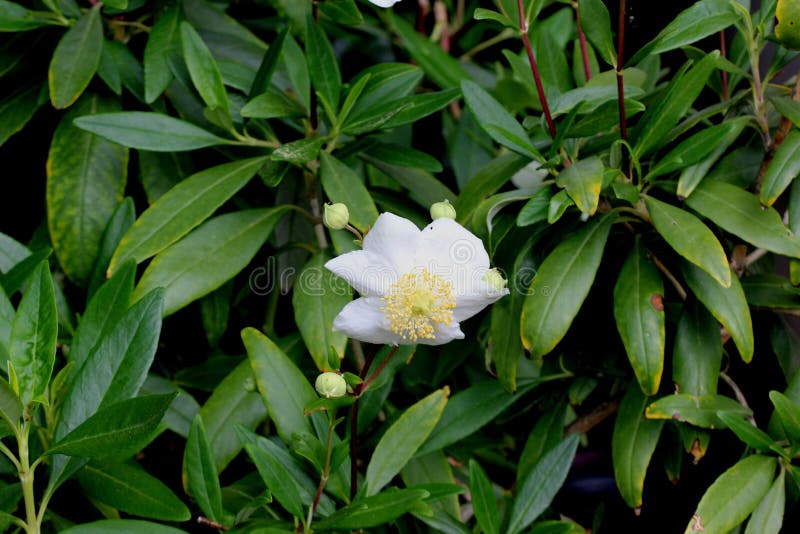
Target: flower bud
335	216
443	210
495	279
330	385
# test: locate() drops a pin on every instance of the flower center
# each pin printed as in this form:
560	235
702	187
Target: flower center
418	304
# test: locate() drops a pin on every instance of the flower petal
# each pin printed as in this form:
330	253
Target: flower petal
444	334
451	251
384	3
369	274
470	303
394	239
363	319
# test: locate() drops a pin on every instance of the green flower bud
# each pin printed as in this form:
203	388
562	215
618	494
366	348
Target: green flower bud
495	279
330	385
443	210
335	216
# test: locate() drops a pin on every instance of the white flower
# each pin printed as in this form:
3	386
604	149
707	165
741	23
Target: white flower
384	3
416	286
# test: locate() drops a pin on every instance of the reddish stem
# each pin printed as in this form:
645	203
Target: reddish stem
623	122
587	71
724	74
523	26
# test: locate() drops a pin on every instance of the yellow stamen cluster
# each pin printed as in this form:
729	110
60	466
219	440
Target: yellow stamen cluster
418	304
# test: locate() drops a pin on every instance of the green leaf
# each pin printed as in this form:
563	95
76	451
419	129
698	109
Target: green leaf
14	279
86	178
434	474
538	489
691	239
162	46
374	510
783	168
596	23
700	20
182	208
318	297
727	305
128	526
271	105
691	176
149	131
342	184
633	443
639	314
119	223
561	285
739	212
699	410
33	337
203	69
788	108
767	518
546	434
279	482
398	112
129	488
403	438
345	12
734	495
75	59
300	151
789	415
119	430
322	64
10	405
202	479
284	389
658	120
771	291
423	188
487	181
582	181
263	77
404	156
498	122
467	412
16	18
208	257
18	108
697	355
749	434
484	503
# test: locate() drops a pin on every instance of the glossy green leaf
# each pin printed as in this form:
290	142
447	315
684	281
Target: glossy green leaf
203	69
727	305
582	180
487	181
119	429
149	131
33	337
208	257
561	285
322	64
75	59
284	389
788	108
119	223
398	112
634	441
771	291
318	297
484	503
374	510
182	208
163	43
434	474
537	490
10	405
498	122
279	482
404	156
691	239
266	69
692	176
129	488
342	184
767	518
740	213
639	314
16	18
272	104
749	434
128	526
789	415
86	178
733	496
423	188
546	434
596	23
783	168
182	410
18	108
202	479
14	279
387	81
697	354
699	410
403	438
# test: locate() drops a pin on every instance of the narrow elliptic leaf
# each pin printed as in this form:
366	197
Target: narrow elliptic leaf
129	488
596	23
149	131
203	69
767	518
634	441
202	478
484	503
86	178
128	526
582	181
697	354
182	208
788	414
16	18
727	305
749	434
733	496
691	176
278	480
699	410
119	430
118	225
318	297
740	213
208	257
783	168
10	405
322	64
498	122
403	438
487	181
561	285
342	184
163	43
433	473
76	58
639	314
546	434
538	489
398	112
19	107
33	336
691	239
284	389
374	510
266	69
